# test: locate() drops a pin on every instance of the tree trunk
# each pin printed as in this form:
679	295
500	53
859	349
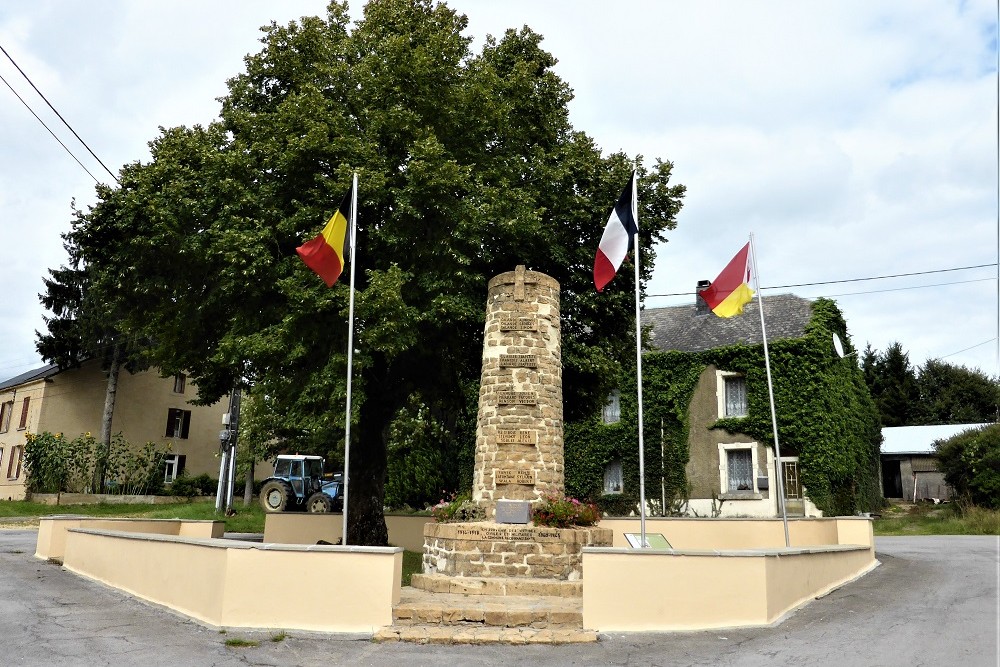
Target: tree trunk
366	491
248	487
110	393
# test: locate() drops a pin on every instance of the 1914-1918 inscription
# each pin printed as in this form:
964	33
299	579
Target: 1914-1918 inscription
517	398
474	532
518	361
518	323
516	436
504	476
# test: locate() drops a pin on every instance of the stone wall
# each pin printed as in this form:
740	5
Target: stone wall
485	549
519	434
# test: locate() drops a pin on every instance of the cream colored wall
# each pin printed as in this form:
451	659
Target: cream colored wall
664	591
52	530
686	533
634	591
305	528
72	402
234	584
12	440
793	580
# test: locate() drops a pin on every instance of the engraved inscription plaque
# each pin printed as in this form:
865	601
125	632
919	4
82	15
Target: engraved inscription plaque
517	398
503	476
513	511
518	361
516	436
518	323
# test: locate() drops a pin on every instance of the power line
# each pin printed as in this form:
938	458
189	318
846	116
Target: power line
968	348
855	280
65	148
900	289
56	112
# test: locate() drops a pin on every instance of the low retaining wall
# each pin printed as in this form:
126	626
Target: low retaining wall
107	498
642	590
220	582
694	533
405	530
51	543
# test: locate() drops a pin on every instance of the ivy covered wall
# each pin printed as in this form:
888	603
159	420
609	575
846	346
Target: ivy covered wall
826	416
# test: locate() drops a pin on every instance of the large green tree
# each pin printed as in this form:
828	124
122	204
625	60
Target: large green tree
468	166
893	384
951	394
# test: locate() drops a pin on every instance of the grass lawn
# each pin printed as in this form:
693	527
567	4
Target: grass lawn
931	519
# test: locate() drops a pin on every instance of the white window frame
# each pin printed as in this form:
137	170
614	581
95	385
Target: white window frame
724	449
611	413
172	468
720	393
614	480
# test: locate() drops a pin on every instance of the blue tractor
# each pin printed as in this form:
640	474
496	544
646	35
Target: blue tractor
298	483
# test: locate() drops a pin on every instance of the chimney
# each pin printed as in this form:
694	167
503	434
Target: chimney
700	307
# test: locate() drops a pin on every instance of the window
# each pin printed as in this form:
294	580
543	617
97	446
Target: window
24	414
179	381
14	464
732	394
613	477
739	466
612	412
178	423
175	466
6	409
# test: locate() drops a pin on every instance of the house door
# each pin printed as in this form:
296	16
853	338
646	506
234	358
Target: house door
892	481
794	501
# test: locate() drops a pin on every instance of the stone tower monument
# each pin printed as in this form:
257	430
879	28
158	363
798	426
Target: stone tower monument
519	431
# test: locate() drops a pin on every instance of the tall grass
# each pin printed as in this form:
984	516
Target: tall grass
248	519
928	519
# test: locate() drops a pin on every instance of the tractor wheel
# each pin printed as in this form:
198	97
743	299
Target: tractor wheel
319	503
274	495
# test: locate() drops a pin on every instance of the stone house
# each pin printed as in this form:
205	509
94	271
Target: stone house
148	408
909	463
729	473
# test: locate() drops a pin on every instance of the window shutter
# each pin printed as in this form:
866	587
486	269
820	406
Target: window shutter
180	464
170	423
186	426
24	412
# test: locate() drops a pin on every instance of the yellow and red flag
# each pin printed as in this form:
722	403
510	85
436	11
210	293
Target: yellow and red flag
728	293
327	253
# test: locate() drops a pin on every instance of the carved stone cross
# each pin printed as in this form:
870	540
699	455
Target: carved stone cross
519	281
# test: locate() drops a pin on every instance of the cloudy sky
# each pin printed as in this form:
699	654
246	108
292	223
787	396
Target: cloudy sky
854	139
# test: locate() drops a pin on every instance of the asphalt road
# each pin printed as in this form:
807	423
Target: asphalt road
933	601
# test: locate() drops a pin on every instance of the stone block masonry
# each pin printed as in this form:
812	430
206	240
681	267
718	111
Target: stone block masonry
519	433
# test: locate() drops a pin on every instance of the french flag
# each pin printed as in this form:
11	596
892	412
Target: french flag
618	237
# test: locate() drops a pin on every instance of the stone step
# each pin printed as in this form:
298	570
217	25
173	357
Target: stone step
472	634
498	586
419	607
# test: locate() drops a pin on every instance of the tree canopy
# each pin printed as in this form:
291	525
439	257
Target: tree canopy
935	393
468	166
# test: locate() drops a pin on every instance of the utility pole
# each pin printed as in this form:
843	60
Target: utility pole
227	444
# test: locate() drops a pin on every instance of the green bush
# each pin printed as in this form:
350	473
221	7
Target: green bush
458	508
618	504
970	462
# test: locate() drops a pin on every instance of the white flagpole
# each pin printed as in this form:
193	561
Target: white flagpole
350	350
638	368
770	393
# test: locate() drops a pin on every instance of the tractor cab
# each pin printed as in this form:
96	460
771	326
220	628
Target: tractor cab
298	483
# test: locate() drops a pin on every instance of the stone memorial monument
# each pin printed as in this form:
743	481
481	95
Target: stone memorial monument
519	449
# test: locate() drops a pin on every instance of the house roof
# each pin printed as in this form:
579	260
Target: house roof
919	439
37	374
683	328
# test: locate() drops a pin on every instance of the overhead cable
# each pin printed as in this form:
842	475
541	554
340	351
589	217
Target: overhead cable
56	112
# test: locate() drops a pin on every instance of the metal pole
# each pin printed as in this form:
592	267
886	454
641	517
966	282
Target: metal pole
638	368
350	351
770	393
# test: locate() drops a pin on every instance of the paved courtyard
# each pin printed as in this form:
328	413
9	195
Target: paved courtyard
933	601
